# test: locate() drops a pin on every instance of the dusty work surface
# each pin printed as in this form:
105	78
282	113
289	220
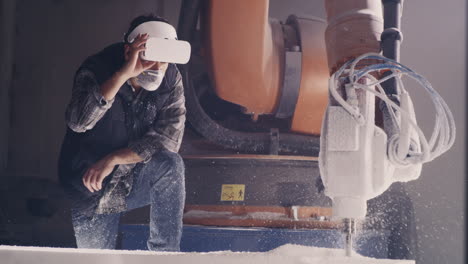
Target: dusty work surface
284	254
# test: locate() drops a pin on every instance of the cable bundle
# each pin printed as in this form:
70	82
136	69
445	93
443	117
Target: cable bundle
402	150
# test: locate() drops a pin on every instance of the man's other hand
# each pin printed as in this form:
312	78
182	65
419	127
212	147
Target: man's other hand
95	174
134	65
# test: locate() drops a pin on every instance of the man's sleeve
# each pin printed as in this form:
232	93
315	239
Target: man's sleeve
87	105
167	130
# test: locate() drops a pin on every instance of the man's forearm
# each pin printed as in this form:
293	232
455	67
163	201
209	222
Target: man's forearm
94	175
124	156
110	87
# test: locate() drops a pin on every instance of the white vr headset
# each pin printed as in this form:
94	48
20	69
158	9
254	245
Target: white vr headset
162	44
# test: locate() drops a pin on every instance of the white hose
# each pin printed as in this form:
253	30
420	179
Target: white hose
443	135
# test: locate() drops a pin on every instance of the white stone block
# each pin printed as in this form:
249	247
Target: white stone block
293	254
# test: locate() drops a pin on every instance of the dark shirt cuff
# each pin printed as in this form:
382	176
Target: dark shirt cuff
141	150
102	102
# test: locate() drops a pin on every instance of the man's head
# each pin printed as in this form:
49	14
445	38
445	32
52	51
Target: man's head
137	22
163	44
140	20
157	45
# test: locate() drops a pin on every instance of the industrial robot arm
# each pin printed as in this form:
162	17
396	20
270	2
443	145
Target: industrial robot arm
360	160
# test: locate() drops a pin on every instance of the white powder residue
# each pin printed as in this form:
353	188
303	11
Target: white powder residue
285	254
207	214
230	215
267	215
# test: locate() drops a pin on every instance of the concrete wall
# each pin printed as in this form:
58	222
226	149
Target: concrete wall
435	46
54	36
7	22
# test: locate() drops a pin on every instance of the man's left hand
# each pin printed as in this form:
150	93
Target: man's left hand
95	174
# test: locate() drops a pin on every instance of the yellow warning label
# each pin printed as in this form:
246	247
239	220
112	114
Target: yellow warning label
232	192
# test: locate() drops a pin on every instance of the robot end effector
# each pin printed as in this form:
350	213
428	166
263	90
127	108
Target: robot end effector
360	160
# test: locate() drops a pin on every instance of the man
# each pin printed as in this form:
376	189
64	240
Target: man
125	126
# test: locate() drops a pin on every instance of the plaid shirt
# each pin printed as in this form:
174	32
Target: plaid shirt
155	121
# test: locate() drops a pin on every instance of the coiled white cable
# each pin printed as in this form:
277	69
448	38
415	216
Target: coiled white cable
443	135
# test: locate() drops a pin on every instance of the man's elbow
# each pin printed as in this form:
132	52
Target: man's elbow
78	123
78	128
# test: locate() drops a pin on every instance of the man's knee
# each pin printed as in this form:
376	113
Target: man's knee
171	161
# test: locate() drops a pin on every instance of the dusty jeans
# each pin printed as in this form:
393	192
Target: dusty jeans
159	184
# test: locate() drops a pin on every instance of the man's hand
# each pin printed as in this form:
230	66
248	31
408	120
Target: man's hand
134	65
95	174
